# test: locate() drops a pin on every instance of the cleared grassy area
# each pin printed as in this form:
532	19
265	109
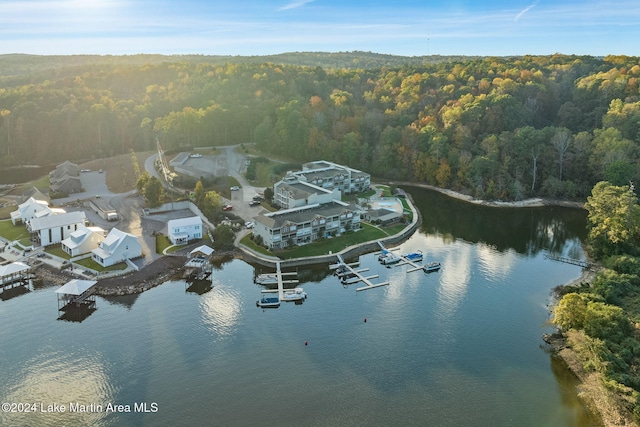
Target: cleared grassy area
13	232
57	251
89	263
324	246
162	243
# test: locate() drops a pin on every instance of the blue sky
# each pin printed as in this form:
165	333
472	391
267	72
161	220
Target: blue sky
254	27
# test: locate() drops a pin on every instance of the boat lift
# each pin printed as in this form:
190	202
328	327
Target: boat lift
354	276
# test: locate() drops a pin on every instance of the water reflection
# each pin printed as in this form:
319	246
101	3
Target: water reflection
63	379
456	274
493	264
221	309
525	230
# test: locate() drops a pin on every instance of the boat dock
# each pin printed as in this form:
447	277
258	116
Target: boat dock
404	260
283	294
573	261
349	275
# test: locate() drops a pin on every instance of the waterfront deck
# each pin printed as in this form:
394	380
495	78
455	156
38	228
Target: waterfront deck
573	261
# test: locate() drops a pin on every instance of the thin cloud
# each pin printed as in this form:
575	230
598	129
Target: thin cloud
523	11
295	5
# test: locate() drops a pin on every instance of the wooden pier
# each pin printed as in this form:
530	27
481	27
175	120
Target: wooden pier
573	261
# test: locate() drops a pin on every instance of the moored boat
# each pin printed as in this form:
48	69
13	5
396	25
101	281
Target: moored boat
296	294
432	266
266	279
414	256
390	259
268	302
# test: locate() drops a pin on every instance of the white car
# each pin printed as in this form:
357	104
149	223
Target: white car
248	224
195	156
235	188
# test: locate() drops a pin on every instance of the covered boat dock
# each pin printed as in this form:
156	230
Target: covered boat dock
76	294
14	273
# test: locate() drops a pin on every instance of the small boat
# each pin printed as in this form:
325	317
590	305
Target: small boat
414	256
390	259
296	294
266	279
383	254
268	302
432	266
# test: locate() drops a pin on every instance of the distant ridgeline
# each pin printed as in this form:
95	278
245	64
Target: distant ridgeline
503	128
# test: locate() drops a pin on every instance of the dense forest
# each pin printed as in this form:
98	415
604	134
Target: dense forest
497	128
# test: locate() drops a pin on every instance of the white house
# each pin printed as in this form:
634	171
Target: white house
29	210
52	229
116	247
183	230
83	240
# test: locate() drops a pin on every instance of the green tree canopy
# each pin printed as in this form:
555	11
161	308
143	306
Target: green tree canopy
614	217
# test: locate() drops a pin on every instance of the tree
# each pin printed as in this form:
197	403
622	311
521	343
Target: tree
153	192
223	237
561	141
570	312
614	218
199	193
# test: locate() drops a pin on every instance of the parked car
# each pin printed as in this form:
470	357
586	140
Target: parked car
227	208
248	224
235	188
258	198
195	155
254	203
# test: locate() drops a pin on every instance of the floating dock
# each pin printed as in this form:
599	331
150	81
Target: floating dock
294	295
350	275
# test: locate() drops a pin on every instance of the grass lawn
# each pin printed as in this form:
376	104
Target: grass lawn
334	244
89	263
162	243
13	232
57	251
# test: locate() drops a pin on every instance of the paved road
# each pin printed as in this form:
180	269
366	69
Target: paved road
228	163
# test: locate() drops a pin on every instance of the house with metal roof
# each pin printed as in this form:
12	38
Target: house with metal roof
305	224
52	229
30	209
83	240
116	247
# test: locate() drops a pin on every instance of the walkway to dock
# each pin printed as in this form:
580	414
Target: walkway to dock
583	264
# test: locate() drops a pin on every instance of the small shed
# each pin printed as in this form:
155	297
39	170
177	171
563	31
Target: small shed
382	216
76	293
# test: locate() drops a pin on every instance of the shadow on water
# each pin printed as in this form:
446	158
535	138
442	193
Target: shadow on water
567	383
526	230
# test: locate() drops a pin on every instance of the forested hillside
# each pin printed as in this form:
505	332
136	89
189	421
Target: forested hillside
496	128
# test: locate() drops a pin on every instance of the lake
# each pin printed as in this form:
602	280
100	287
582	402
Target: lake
461	346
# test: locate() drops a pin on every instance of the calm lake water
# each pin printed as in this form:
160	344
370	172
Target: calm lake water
460	347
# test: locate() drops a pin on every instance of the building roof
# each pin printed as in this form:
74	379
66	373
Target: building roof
76	287
45	222
301	190
183	222
304	213
110	244
204	249
36	194
383	214
76	238
13	268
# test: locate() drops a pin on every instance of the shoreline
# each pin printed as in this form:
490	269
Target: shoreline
527	203
604	404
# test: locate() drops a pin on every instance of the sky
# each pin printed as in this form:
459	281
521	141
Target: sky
266	27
